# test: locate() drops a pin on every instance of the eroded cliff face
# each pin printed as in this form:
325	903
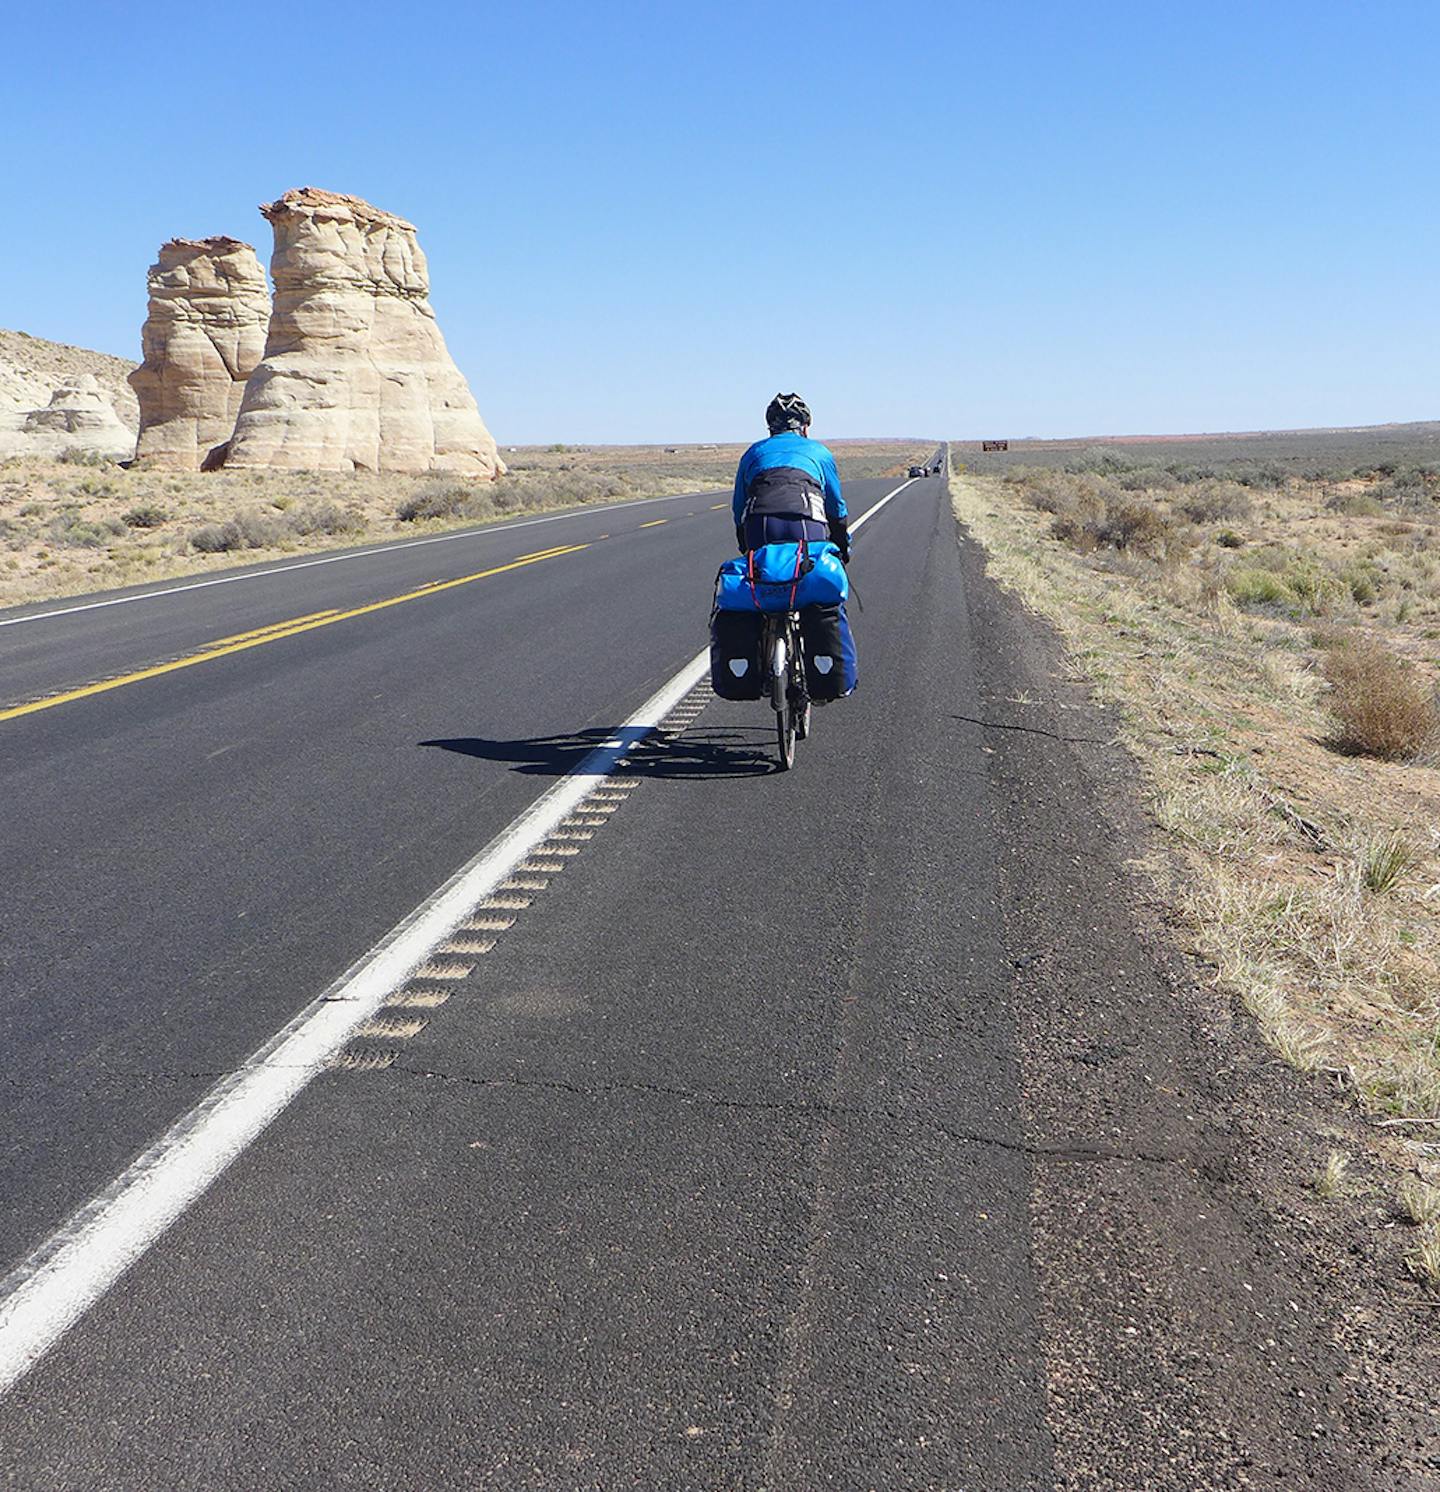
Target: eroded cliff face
355	373
203	336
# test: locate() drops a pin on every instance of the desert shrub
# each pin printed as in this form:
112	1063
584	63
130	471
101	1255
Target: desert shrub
248	529
75	456
1364	583
75	532
1119	522
1069	492
324	518
1046	499
146	515
1382	706
1227	538
1137	526
1187	473
1075	531
1315	589
1214	501
1098	461
1354	504
1255	587
1296	583
97	487
213	538
438	500
257	530
1145	479
1409	489
1258	474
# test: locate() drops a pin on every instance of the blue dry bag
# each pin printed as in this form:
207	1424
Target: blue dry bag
782	577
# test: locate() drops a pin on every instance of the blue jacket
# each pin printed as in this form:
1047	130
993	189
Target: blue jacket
788	473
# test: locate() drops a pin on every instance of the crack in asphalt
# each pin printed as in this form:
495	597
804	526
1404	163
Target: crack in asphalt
1077	1153
1035	730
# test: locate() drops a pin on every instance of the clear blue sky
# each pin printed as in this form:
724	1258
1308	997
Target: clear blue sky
644	218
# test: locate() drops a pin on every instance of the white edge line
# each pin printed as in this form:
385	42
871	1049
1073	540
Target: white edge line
60	1280
340	559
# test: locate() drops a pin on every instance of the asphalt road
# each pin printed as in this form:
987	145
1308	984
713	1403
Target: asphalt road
205	851
733	1163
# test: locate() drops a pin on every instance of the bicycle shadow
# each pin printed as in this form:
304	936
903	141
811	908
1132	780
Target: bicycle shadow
696	755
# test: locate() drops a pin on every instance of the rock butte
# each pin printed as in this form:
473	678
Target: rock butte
355	373
203	335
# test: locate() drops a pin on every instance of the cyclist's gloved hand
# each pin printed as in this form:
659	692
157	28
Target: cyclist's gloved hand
740	537
840	538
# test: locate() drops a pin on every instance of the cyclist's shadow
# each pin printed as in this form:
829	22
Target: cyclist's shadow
694	754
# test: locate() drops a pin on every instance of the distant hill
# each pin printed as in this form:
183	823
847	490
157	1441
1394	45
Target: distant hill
30	367
1329	448
1416	430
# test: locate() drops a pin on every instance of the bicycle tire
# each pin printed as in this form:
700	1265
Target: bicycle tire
785	738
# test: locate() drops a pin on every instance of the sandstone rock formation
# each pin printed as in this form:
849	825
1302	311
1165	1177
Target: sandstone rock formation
78	417
203	335
356	375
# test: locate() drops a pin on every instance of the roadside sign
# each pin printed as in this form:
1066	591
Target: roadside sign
994	445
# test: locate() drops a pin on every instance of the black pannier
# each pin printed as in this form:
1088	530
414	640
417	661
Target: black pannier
735	638
829	651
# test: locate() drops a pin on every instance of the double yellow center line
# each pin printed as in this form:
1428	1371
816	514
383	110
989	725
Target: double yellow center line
225	646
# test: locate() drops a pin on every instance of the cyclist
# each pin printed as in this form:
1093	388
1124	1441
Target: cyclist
786	487
787	491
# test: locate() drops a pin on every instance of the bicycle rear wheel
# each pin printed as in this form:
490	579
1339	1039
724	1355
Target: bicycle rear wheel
778	658
785	734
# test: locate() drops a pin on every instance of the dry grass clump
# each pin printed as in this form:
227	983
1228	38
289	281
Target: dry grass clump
1420	1200
1381	705
1424	1259
1386	862
1331	1180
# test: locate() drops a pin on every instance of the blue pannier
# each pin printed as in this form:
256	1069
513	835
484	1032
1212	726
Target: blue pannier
782	577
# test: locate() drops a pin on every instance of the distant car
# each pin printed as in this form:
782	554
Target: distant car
918	471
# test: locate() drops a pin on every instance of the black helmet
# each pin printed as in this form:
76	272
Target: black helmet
787	412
